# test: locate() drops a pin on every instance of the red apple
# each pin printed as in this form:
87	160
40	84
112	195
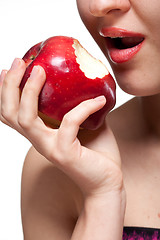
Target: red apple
72	76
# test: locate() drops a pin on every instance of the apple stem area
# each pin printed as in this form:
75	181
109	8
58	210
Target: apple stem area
92	67
32	57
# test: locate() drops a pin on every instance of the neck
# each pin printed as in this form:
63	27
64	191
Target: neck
150	107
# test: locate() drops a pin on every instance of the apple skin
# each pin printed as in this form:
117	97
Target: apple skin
66	85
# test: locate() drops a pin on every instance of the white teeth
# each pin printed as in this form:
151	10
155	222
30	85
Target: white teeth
116	37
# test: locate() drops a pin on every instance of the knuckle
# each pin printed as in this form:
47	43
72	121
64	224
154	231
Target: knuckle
60	154
24	122
29	90
6	82
7	114
70	119
9	81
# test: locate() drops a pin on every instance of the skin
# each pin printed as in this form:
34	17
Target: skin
139	145
63	183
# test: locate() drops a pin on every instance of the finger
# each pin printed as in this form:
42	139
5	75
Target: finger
72	120
28	110
10	91
32	126
2	77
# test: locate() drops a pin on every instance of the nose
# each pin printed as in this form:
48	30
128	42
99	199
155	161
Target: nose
100	8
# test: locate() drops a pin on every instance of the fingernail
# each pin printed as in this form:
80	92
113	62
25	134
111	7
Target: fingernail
35	71
100	99
15	63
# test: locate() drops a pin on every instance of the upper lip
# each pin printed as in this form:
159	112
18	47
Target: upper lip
114	32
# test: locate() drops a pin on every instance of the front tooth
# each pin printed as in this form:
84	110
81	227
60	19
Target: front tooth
115	37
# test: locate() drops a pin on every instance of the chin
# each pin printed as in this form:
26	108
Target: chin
137	82
138	91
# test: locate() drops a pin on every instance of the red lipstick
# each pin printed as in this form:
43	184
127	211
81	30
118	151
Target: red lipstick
122	45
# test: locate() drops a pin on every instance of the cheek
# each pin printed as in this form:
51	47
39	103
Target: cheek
87	18
148	14
82	6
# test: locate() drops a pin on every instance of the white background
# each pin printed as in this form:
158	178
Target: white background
23	24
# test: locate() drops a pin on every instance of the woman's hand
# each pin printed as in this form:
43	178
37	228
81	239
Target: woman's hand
96	172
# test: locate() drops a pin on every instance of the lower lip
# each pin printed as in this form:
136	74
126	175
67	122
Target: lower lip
122	55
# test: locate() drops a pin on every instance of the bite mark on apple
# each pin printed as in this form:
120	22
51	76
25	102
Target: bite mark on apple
92	67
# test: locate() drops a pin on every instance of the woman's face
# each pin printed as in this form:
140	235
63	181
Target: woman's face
135	55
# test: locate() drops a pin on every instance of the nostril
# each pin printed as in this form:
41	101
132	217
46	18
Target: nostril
117	10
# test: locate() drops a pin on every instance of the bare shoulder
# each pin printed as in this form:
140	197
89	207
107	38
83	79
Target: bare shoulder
50	200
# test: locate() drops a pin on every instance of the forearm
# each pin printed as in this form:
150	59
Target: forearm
101	219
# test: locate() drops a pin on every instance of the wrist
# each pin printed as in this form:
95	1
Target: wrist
107	196
108	212
111	199
102	217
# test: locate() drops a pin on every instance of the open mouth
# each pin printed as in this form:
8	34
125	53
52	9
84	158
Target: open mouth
124	42
122	49
121	44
